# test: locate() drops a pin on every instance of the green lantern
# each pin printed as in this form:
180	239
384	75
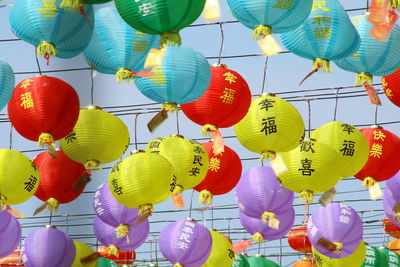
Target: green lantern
374	258
164	17
393	259
104	262
240	261
261	261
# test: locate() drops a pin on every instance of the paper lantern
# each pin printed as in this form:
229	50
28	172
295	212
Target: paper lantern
381	164
77	5
259	194
393	186
298	239
160	17
48	247
374	258
262	231
113	213
10	233
54	31
185	243
391	87
327	34
106	235
124	257
97	138
12	260
19	178
223	174
142	180
355	259
261	261
7	83
107	53
83	251
312	168
348	141
374	57
223	104
390	207
392	257
188	157
104	262
271	125
182	77
306	262
390	228
221	252
43	109
337	224
240	261
59	178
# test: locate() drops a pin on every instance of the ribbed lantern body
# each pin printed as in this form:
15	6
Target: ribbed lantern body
221	252
355	259
83	251
12	260
374	258
261	261
7	83
388	205
390	228
298	239
124	257
391	87
10	234
393	187
40	21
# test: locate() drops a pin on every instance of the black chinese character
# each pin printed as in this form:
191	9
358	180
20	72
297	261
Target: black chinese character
197	160
34	166
117	189
269	125
307	146
348	148
115	168
30	184
71	137
306	170
194	171
231	253
198	150
266	104
173	184
347	128
154	144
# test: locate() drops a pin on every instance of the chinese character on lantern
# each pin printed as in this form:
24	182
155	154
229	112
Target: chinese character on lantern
26	100
229	96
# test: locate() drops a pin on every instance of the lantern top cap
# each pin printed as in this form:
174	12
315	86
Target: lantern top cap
93	107
177	135
51	226
220	65
136	151
376	126
267	94
190	219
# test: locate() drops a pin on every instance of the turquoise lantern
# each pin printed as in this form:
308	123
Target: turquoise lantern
373	57
7	83
327	34
116	48
54	31
182	77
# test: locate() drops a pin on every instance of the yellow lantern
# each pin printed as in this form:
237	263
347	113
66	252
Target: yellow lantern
188	157
348	141
83	251
355	259
142	180
221	254
271	125
19	178
312	167
97	138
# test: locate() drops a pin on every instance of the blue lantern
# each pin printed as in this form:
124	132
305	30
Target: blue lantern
327	34
182	77
54	31
7	83
115	47
373	57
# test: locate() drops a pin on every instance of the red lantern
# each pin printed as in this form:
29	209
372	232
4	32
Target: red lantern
224	171
298	239
390	228
383	160
125	257
391	86
224	103
14	259
60	179
43	109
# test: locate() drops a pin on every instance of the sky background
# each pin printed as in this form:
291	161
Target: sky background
241	54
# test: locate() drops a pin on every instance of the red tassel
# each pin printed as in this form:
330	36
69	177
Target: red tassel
218	142
178	200
240	246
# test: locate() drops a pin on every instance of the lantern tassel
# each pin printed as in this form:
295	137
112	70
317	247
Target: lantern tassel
368	182
212	10
71	5
145	211
258	238
206	197
46	49
260	31
216	136
113	250
170	38
3	203
124	74
170	106
307	195
178	265
52	204
267	215
238	247
45	138
122	230
395	3
92	164
363	78
375	191
322	64
81	183
267	155
16	213
396	217
338	247
154	58
177	197
88	259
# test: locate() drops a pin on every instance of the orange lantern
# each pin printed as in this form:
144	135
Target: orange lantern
390	228
394	245
124	257
14	259
306	262
298	239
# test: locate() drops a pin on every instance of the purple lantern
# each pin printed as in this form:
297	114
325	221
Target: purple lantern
259	193
106	235
10	233
185	242
335	230
388	205
262	231
112	212
48	247
393	186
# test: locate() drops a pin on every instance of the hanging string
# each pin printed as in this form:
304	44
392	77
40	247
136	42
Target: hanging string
11	135
151	249
309	117
222	43
306	211
66	223
91	86
177	122
259	249
336	104
367	5
37	62
191	204
135	131
51	217
229	228
264	75
212	217
155	245
376	114
280	251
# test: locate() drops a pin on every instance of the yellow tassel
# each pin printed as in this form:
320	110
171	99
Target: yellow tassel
92	164
338	247
170	106
3	202
258	238
46	48
45	138
267	155
71	5
144	212
170	38
395	3
362	78
267	215
368	182
178	265
52	204
113	250
122	230
205	197
307	195
269	45
124	74
212	10
208	129
322	64
261	31
177	197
